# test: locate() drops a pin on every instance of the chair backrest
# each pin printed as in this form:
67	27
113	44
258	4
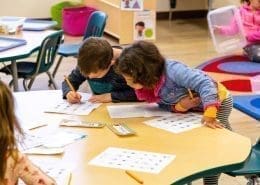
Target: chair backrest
96	25
47	52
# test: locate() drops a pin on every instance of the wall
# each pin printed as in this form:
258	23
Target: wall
163	5
220	3
182	5
27	8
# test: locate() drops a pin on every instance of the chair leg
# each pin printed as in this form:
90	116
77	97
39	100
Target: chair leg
252	180
57	66
51	80
30	83
25	86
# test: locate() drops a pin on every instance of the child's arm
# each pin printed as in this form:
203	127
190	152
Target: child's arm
186	103
31	174
76	79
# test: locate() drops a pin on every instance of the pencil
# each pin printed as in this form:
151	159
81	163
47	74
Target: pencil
134	177
69	84
190	93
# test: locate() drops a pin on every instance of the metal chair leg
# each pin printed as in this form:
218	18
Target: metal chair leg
52	80
30	83
57	66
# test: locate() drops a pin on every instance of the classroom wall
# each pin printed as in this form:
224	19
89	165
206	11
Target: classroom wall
163	5
27	8
220	3
182	5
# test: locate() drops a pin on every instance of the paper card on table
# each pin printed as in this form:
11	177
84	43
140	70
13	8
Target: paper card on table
55	140
62	138
44	151
135	160
83	108
53	168
177	122
136	110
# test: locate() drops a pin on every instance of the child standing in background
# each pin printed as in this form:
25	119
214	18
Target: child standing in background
250	18
95	61
13	164
167	82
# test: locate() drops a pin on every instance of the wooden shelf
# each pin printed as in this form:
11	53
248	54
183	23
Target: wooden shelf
120	22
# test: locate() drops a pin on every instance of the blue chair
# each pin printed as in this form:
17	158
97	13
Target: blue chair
46	55
251	169
95	28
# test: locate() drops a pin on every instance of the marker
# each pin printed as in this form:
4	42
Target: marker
134	177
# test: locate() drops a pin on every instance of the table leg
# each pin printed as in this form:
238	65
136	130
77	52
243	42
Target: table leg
15	75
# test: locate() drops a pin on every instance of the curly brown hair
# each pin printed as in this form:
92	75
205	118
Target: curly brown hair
8	125
95	54
143	62
247	1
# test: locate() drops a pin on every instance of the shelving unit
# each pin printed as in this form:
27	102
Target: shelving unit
120	22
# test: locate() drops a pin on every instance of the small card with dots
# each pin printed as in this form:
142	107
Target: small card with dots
135	160
79	123
176	123
121	129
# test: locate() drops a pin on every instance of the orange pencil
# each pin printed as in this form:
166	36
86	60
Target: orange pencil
134	177
69	84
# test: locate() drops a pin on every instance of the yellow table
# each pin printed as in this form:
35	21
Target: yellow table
199	152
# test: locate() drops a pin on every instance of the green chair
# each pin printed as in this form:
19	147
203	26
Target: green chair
45	58
251	169
56	11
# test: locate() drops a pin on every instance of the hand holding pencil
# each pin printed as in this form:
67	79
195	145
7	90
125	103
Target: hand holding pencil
72	96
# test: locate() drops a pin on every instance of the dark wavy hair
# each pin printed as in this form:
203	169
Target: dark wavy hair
8	125
143	62
247	1
95	54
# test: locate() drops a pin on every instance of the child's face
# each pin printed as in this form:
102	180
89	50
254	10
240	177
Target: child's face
129	80
255	4
99	74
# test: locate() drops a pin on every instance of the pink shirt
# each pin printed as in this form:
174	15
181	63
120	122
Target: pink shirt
25	170
251	24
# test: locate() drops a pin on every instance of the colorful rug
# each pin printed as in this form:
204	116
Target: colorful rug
237	84
233	64
249	104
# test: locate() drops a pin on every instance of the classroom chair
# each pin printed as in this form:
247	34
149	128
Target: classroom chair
29	70
95	27
251	169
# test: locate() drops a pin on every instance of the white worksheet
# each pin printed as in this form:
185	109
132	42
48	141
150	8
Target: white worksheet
54	169
135	160
136	110
39	143
177	122
83	108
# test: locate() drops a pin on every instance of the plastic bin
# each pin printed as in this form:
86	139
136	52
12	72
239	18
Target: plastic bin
75	20
56	11
226	29
255	83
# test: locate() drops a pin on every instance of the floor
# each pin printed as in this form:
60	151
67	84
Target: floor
184	40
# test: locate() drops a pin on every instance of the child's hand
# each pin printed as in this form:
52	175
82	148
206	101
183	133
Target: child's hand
217	29
188	103
73	97
211	122
103	98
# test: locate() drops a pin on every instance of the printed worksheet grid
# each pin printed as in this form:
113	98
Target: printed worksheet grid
132	160
176	123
